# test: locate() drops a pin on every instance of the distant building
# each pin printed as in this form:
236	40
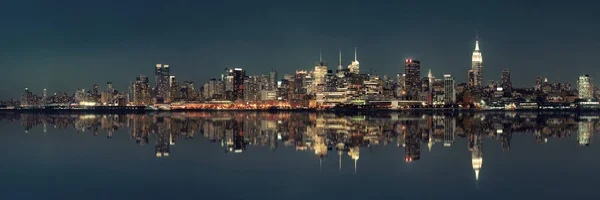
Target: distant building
506	82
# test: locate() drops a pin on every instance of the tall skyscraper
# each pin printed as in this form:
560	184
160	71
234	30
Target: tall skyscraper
234	85
141	91
273	80
354	67
506	83
412	81
162	81
476	66
585	87
449	90
319	75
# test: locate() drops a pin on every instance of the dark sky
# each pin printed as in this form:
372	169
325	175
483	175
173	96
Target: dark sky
63	45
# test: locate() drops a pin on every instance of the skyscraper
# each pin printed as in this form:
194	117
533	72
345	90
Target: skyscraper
354	67
585	87
319	75
162	81
412	81
234	85
476	66
449	90
506	83
273	80
141	91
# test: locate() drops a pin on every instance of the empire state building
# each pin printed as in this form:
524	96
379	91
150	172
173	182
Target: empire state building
476	72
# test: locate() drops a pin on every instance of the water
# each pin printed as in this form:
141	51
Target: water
262	155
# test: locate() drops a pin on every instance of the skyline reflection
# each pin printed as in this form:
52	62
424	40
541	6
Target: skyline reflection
324	134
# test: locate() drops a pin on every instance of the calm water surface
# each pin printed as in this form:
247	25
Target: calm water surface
246	155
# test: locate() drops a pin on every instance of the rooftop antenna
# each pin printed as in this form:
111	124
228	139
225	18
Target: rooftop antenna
320	56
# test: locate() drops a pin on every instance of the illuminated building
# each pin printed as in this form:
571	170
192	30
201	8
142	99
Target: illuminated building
585	87
506	82
476	66
400	88
235	83
273	80
319	76
449	90
412	81
538	83
175	92
162	82
354	66
141	91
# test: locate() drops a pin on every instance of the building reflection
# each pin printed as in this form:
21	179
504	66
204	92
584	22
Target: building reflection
344	134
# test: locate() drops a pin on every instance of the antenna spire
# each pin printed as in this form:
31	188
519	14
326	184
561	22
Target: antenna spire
477	40
340	66
355	53
320	56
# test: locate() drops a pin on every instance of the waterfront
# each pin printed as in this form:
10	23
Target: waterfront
299	155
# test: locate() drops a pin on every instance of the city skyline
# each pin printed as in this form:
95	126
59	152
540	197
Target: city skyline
82	52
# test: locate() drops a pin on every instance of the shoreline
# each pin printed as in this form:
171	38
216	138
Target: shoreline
343	110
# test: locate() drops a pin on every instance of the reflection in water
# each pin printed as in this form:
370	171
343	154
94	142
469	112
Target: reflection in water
323	133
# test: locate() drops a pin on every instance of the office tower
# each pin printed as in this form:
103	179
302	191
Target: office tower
252	88
234	84
354	66
162	82
273	79
449	90
330	82
400	80
477	66
585	87
141	91
175	90
506	83
319	75
412	81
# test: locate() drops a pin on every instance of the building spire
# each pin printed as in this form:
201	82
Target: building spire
477	40
320	56
340	66
355	54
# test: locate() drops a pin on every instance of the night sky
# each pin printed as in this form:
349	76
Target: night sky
65	45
